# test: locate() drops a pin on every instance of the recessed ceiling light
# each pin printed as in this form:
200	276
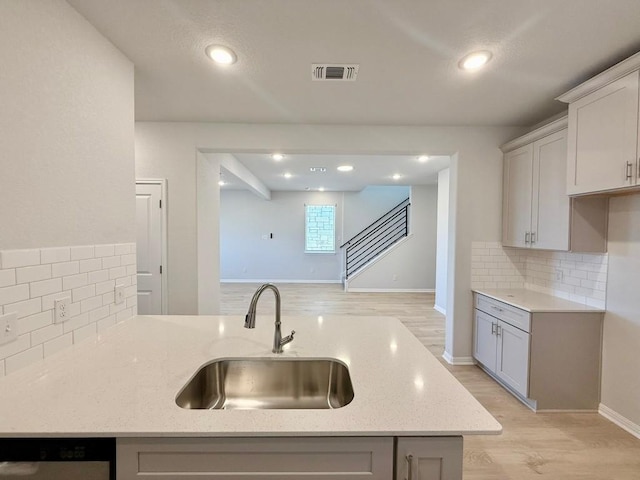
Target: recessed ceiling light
221	183
396	176
321	189
475	60
221	55
345	168
277	156
287	175
423	158
318	169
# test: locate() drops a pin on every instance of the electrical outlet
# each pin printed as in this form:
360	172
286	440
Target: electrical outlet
8	327
61	309
559	274
395	277
119	294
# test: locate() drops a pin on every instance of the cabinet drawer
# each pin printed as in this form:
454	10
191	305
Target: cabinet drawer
507	313
264	458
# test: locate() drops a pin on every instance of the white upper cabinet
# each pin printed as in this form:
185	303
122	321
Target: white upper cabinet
536	209
518	184
537	212
604	134
550	206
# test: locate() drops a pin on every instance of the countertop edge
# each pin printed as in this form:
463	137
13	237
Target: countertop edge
580	308
246	434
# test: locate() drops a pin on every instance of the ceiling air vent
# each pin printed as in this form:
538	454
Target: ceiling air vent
334	71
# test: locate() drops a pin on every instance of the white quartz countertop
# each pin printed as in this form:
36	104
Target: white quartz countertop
124	382
536	302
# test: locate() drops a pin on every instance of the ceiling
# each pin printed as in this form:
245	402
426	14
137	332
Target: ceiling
407	50
368	170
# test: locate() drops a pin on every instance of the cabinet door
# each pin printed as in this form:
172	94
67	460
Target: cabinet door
265	458
603	136
484	339
517	196
513	357
429	458
550	210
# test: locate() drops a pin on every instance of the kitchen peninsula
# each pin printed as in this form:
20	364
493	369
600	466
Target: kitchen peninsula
124	385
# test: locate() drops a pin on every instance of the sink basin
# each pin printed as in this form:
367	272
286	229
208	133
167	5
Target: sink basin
268	384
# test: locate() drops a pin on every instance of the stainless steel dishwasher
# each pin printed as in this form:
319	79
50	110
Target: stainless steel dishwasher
57	458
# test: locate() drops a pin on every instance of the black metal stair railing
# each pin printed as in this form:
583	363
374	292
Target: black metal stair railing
377	237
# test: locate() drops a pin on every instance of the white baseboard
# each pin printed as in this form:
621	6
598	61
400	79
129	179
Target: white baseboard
438	308
458	360
390	290
273	280
619	420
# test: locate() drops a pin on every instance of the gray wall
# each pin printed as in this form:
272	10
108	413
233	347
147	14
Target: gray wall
362	208
621	341
411	264
66	130
442	240
245	218
245	255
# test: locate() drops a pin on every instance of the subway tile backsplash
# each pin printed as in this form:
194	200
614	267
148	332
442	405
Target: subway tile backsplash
578	277
31	280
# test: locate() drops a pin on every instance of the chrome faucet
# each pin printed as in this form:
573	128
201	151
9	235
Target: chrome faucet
250	318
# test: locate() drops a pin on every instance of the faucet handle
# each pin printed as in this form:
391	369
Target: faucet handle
288	338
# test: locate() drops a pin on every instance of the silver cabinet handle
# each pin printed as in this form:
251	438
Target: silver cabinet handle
493	328
498	330
526	237
409	459
629	171
533	237
497	308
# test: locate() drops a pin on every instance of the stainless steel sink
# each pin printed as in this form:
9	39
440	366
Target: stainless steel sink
268	384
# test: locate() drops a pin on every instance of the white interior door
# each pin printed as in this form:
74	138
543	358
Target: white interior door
149	247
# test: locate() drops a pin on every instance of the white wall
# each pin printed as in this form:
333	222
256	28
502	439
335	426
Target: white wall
442	241
67	189
208	267
168	150
66	130
621	341
245	255
363	207
411	264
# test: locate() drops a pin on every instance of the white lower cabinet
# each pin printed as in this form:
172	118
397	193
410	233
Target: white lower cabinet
550	360
512	362
438	458
503	350
485	340
308	458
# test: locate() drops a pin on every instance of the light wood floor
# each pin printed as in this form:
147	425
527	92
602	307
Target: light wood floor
550	446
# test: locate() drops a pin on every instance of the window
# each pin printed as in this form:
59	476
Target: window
319	228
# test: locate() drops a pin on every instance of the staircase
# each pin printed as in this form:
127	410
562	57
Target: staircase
377	238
